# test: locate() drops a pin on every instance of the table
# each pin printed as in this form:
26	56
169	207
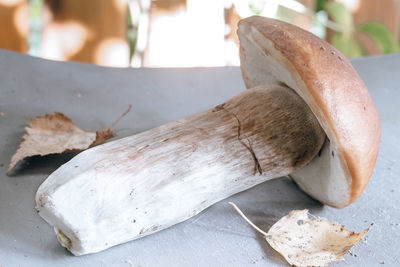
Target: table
94	96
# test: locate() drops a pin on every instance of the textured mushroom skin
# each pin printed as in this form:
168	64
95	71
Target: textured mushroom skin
328	83
141	184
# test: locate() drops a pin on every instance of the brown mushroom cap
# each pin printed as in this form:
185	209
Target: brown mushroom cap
275	52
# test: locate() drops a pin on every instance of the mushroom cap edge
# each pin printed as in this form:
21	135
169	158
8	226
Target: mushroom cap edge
275	52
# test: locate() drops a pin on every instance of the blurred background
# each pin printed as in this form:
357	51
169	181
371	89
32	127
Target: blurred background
184	33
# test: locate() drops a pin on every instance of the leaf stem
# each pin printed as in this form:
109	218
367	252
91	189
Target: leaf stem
247	219
120	117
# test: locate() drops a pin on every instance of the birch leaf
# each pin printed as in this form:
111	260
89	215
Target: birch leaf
306	241
56	134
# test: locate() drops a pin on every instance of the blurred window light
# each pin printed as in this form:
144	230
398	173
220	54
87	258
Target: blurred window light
63	40
351	5
112	52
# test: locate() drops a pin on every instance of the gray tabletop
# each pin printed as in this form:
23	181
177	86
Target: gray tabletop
94	96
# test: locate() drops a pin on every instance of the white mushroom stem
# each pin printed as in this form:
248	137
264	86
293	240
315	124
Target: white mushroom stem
144	183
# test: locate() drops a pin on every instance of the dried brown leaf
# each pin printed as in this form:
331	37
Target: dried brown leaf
102	136
51	134
306	241
56	134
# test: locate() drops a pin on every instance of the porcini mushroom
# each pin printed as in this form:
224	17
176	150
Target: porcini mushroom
306	114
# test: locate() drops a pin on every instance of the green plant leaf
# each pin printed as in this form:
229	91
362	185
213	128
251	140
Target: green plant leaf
339	14
319	5
381	35
256	7
356	49
347	45
340	43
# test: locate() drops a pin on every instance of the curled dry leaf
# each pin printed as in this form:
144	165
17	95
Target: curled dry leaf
56	134
306	241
